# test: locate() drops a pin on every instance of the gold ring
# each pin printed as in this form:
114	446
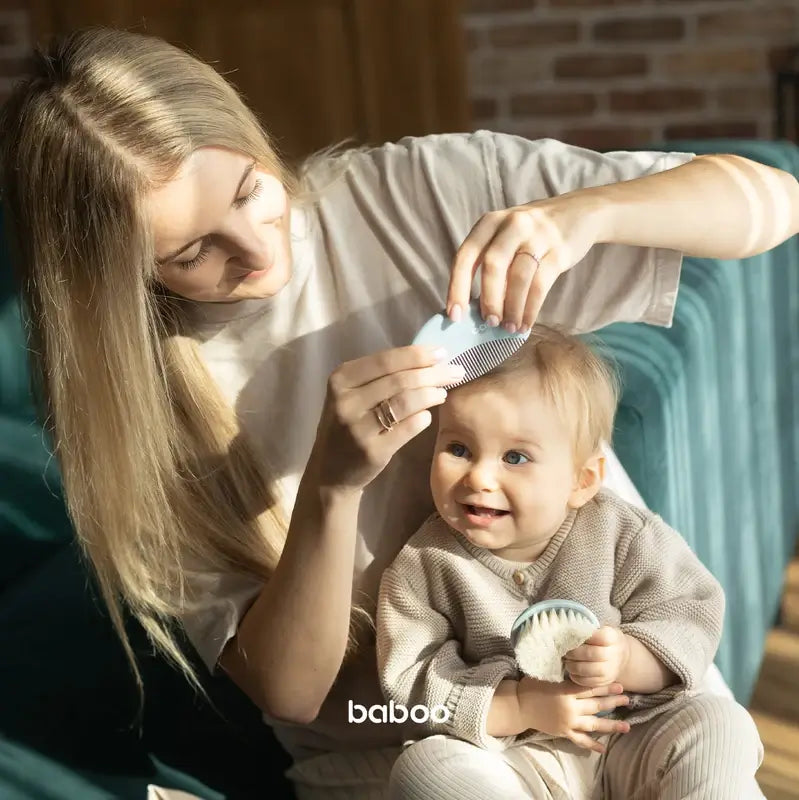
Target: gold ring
532	255
385	415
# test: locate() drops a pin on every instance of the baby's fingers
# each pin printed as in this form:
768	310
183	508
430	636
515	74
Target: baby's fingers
594	705
583	740
601	691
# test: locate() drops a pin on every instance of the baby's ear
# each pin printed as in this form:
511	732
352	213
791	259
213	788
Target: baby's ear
588	481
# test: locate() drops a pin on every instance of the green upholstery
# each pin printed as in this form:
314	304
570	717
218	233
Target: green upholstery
707	429
708	426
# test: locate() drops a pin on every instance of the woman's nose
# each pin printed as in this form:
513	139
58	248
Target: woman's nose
254	250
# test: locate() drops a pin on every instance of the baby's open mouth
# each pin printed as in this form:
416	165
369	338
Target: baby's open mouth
482	511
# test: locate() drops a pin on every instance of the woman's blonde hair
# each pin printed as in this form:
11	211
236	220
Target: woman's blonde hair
156	471
581	384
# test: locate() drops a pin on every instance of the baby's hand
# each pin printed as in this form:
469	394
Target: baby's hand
599	660
565	709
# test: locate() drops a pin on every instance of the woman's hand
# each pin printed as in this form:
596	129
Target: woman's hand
523	250
565	709
352	443
600	659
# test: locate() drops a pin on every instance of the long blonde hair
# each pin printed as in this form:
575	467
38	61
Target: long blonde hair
156	471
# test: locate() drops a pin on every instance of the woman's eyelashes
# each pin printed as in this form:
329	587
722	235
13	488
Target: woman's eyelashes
256	190
205	247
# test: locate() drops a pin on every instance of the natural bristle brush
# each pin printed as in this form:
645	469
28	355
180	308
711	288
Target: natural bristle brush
543	633
470	342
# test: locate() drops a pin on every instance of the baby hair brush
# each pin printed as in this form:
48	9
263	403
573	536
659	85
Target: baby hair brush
543	633
470	342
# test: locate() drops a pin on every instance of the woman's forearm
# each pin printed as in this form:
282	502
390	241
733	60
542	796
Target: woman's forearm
291	642
642	671
720	206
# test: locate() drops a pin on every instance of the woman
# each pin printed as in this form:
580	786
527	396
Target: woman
215	340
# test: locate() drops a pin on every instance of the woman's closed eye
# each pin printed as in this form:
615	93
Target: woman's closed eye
256	190
205	246
515	457
202	254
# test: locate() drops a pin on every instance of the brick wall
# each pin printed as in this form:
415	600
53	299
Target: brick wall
601	73
622	73
14	43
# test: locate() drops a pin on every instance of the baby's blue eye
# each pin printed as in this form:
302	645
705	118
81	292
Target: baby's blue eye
457	450
515	457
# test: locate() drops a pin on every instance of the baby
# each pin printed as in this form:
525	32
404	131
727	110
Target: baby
522	517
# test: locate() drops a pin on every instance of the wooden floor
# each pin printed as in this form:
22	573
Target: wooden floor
775	701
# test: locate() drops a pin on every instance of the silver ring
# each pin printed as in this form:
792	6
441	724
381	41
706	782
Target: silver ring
532	255
385	415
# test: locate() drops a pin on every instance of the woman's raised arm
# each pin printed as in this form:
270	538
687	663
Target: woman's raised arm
715	206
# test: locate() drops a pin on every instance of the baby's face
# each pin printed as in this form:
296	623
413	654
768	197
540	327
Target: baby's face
503	470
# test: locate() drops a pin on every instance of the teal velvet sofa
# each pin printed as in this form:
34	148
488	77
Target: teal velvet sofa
708	429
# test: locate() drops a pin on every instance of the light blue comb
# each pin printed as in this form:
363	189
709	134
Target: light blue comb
470	342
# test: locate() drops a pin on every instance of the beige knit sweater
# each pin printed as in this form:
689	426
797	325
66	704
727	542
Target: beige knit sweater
446	607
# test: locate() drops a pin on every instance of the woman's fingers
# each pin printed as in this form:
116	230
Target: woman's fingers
402	407
523	270
394	387
515	230
467	260
364	370
543	280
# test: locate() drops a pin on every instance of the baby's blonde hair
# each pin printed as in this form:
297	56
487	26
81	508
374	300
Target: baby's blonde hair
582	385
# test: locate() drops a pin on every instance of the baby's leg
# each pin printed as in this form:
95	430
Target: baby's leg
445	768
707	748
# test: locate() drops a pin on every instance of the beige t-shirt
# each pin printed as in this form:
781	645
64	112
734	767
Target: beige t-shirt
371	265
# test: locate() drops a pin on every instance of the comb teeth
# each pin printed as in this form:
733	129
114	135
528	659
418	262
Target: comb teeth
482	358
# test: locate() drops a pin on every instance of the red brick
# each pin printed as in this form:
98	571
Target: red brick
657	100
649	29
483	107
713	130
747	22
745	98
542	33
496	6
601	66
607	138
734	61
553	103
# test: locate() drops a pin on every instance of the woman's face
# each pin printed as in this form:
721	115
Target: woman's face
222	229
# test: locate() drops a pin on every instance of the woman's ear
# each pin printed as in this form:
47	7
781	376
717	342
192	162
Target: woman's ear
588	481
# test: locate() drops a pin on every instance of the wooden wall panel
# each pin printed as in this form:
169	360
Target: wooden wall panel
315	71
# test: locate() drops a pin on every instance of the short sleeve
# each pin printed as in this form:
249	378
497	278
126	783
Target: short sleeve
613	283
218	602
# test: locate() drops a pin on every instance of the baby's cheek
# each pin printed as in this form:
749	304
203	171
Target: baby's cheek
273	198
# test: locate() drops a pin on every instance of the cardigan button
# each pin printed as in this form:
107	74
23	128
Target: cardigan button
519	577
